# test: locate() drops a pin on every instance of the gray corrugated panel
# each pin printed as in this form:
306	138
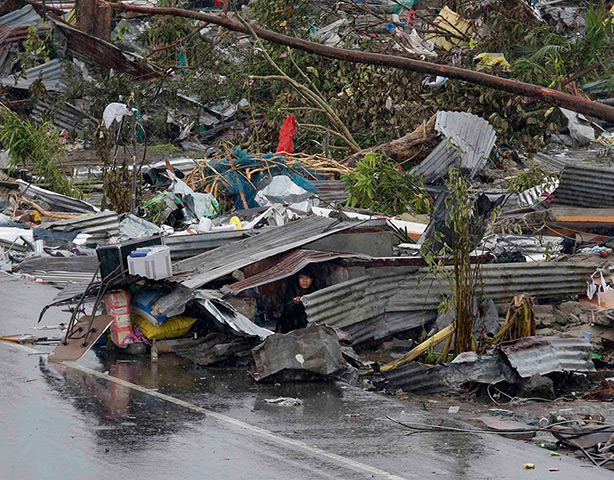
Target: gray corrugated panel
187	246
473	135
528	245
185	165
50	74
415	290
541	355
389	324
60	279
289	265
79	264
356	300
586	186
71	291
24	16
331	191
63	115
100	226
225	260
13	246
558	160
468	367
56	201
438	162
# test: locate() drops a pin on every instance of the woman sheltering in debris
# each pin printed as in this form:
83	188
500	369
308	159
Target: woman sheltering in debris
294	315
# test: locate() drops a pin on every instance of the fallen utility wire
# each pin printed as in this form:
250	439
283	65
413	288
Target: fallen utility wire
426	428
548	95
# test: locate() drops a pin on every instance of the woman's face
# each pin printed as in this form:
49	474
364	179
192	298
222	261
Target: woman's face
305	281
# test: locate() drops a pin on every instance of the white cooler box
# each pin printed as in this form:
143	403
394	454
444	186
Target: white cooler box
151	262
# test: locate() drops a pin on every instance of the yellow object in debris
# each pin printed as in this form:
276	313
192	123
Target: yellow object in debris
236	221
489	60
457	26
529	466
173	327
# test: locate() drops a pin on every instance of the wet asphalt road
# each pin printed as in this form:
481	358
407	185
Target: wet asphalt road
61	422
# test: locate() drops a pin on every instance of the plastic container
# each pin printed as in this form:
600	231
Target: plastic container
151	262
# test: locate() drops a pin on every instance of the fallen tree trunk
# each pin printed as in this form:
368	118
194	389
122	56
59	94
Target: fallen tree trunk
401	148
548	95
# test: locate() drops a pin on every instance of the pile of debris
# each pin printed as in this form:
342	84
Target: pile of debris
453	258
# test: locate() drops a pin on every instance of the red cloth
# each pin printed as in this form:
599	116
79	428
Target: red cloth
288	129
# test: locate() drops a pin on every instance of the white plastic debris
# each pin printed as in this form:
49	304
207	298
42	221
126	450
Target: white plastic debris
114	112
284	401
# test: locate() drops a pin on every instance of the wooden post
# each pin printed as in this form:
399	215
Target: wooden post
94	18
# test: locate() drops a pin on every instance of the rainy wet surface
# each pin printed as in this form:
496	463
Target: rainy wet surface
61	422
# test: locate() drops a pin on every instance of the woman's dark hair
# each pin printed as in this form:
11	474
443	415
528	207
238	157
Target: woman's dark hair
307	271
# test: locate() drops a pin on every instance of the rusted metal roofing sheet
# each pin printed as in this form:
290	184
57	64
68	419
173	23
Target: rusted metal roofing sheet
225	260
331	191
13	33
289	265
541	355
586	186
103	53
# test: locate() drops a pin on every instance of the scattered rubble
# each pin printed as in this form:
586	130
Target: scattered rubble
168	203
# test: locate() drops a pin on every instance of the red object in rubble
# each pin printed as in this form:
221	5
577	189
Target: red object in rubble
288	129
218	3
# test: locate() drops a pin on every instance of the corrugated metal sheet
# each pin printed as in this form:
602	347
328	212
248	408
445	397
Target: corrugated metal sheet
11	33
78	264
419	378
71	291
187	246
331	191
49	73
225	260
100	52
62	115
22	17
558	160
473	135
100	226
286	267
528	245
390	324
407	289
541	355
586	186
56	201
60	279
438	162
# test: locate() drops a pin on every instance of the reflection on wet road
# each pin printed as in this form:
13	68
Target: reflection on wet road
62	422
